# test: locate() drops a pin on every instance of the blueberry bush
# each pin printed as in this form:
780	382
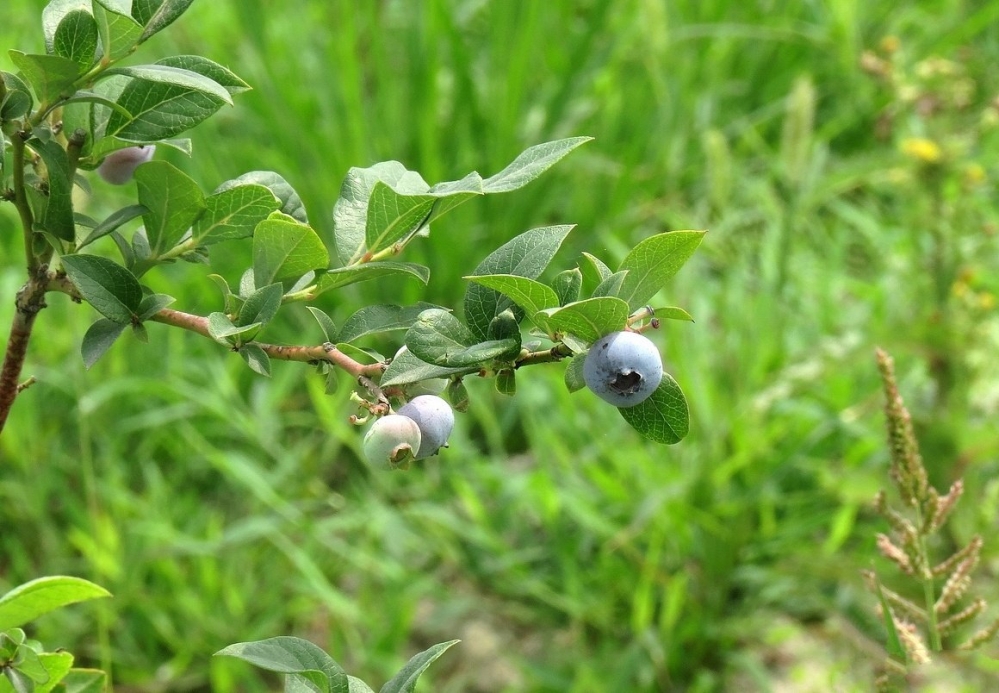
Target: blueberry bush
86	106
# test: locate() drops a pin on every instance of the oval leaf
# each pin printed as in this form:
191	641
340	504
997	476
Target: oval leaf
234	213
342	276
407	368
653	262
589	320
76	38
526	255
663	417
110	288
436	334
32	599
531	163
290	655
405	680
174	76
530	295
98	339
284	250
173	201
379	318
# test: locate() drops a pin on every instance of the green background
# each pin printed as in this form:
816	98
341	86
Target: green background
566	552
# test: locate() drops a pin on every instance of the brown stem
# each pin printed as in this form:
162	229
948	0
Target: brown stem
556	353
308	354
30	300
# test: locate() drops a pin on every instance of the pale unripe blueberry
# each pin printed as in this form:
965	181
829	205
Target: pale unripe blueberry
623	368
391	441
118	166
434	417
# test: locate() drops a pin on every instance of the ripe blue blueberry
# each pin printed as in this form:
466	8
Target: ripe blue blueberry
392	441
118	166
434	417
623	368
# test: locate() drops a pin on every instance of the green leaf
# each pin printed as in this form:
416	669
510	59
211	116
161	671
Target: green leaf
81	118
99	338
350	212
256	358
173	201
654	261
53	14
356	685
387	203
407	368
457	393
379	318
114	221
234	213
392	217
530	295
208	68
139	332
19	681
261	306
291	203
110	288
594	270
574	381
526	255
58	217
284	250
31	666
405	680
57	666
119	32
76	38
506	382
567	285
530	164
663	417
156	15
289	655
504	326
222	330
84	681
439	338
33	599
49	75
342	276
174	76
589	320
17	103
153	304
326	323
435	334
673	313
159	110
483	352
611	286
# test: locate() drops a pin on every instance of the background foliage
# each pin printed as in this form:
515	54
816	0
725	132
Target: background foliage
568	554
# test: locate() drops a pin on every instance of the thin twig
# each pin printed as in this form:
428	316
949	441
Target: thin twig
307	354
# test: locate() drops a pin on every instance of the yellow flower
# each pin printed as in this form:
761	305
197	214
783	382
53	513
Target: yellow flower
923	149
974	174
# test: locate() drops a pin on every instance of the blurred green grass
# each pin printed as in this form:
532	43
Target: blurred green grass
566	552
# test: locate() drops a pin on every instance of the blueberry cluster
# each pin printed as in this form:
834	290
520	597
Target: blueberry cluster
418	430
